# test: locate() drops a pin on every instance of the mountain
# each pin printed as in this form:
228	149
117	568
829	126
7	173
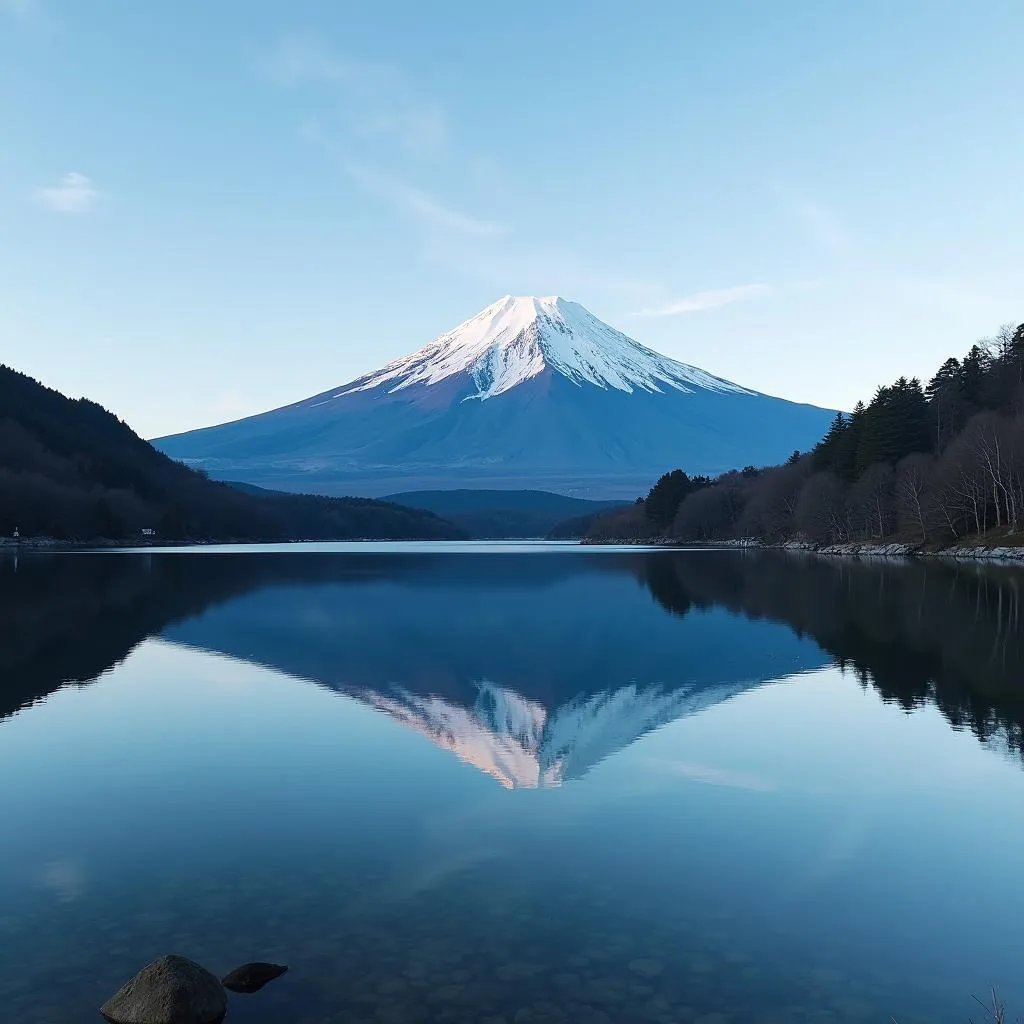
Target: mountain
70	470
490	514
531	393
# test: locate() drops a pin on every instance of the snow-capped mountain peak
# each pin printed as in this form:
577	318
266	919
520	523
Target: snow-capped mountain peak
531	393
519	337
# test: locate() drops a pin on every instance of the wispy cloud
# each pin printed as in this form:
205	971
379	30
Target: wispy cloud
397	144
376	100
371	109
74	193
700	301
417	203
420	204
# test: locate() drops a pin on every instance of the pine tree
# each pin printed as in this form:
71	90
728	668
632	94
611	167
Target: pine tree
946	403
896	424
973	373
826	450
666	496
846	456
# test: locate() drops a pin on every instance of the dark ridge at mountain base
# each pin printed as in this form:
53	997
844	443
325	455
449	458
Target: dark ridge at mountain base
497	514
70	470
617	489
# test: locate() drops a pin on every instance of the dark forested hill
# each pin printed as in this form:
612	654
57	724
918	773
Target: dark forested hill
930	464
73	471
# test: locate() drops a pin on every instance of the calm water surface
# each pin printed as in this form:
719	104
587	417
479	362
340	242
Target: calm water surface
513	785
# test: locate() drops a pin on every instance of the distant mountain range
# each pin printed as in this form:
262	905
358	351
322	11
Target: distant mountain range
531	393
487	514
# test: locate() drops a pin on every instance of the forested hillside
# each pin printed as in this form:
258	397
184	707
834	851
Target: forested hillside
70	470
930	464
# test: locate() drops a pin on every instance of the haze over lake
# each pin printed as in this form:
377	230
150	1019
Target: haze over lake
513	782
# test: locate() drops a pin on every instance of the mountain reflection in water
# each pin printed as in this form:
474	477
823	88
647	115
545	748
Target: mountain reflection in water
533	669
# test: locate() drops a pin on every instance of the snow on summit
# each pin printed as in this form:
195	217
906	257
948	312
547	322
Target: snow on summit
519	337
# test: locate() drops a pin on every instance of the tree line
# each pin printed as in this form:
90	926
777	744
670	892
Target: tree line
932	464
70	470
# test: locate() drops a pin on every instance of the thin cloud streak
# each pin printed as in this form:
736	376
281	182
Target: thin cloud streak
419	204
376	100
712	299
74	193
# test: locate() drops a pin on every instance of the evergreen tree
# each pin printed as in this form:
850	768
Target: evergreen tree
973	374
826	451
666	496
947	405
1008	383
896	424
845	466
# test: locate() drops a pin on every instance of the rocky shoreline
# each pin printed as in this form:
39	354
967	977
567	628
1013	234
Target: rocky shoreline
960	553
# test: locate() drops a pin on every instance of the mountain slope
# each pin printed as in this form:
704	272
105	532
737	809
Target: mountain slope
73	471
530	393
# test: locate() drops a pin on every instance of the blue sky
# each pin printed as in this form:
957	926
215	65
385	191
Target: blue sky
208	210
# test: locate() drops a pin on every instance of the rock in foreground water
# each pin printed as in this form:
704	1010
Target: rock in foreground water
251	978
171	990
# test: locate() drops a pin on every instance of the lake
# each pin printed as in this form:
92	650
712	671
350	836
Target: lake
514	783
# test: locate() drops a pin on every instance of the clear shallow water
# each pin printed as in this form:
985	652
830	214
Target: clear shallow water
442	785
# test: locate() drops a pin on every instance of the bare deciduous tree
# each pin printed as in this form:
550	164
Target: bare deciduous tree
913	481
822	512
871	502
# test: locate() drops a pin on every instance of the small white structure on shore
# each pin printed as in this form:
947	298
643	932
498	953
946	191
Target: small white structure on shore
148	533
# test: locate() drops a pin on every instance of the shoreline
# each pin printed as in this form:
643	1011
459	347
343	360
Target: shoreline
897	549
36	544
995	554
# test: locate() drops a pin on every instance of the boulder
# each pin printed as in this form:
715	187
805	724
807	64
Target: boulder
171	990
251	978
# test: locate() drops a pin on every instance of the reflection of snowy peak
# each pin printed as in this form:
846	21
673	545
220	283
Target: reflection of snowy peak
524	746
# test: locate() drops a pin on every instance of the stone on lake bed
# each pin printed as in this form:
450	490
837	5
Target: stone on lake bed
171	990
251	978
